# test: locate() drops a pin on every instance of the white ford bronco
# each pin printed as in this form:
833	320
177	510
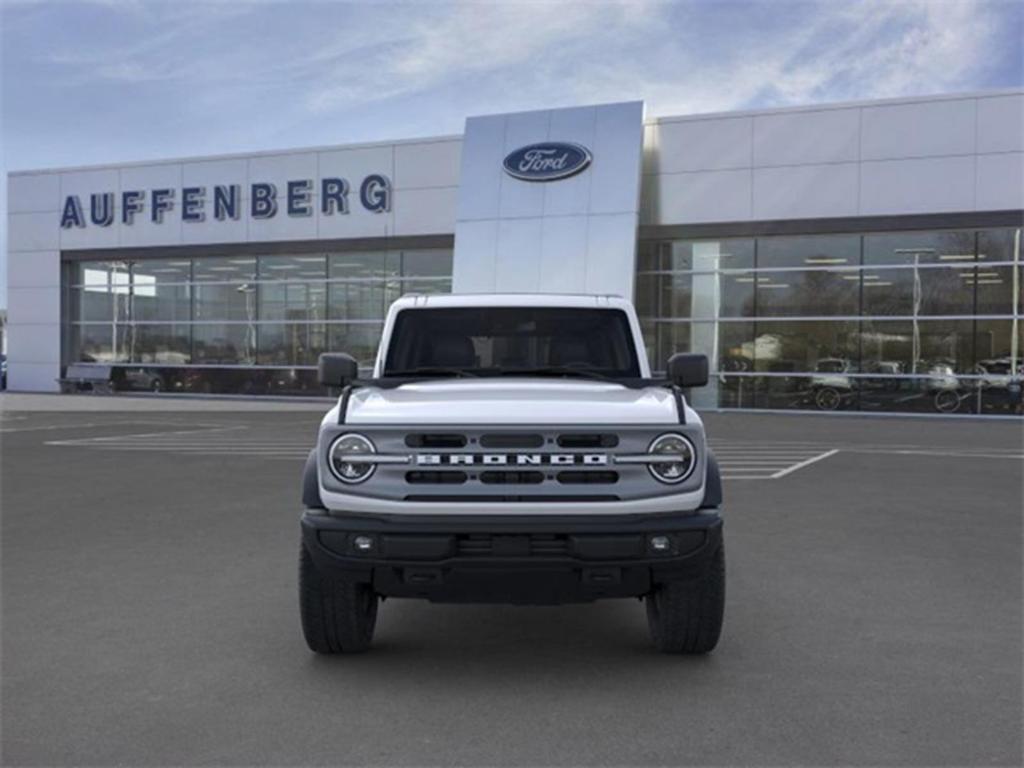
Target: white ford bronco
513	449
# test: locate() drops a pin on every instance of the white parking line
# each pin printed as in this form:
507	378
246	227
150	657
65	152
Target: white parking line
128	440
743	460
805	463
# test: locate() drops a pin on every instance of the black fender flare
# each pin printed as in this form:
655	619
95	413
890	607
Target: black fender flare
311	484
712	485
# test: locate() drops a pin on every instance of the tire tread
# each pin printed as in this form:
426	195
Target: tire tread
338	616
686	616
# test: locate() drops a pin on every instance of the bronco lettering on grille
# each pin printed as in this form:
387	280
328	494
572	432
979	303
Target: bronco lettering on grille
517	459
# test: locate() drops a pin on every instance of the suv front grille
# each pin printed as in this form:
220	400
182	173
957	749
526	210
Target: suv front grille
508	464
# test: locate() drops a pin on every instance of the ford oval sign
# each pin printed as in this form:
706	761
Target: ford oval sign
547	162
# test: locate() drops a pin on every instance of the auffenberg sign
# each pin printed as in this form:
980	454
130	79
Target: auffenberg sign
548	161
225	202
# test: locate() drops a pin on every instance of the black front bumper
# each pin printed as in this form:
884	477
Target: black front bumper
522	559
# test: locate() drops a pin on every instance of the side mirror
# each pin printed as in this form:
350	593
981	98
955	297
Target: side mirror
336	369
688	370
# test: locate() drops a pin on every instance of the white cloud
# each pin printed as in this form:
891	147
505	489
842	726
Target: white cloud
458	41
590	52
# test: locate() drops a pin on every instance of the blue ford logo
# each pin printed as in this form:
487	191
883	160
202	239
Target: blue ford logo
547	162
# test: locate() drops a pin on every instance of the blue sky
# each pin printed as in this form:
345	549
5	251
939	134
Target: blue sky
114	80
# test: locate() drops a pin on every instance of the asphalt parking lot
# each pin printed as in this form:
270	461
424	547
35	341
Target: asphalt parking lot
149	612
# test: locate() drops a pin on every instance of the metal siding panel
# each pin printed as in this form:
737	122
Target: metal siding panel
801	138
1000	182
703	145
921	129
927	185
806	191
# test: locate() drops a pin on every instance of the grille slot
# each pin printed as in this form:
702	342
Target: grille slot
474	545
434	477
435	440
511	440
534	545
495	477
588	441
587	478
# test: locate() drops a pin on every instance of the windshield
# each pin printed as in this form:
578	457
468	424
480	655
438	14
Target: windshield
506	341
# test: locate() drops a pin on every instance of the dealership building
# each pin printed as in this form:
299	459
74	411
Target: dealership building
859	256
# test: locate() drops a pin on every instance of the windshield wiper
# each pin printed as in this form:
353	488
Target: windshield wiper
432	370
559	370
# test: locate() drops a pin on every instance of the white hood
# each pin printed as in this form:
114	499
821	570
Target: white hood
512	401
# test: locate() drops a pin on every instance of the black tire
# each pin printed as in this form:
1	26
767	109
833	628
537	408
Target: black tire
685	616
338	615
828	399
947	401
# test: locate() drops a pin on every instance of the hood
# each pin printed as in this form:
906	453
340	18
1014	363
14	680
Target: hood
512	401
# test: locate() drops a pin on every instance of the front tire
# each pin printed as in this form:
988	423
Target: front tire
828	399
947	401
685	616
338	615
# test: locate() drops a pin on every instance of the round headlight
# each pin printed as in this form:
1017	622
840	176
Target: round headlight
348	469
680	458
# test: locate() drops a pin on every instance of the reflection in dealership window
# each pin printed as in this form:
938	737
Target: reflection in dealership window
801	345
165	343
807	293
927	347
291	343
428	263
96	304
357	339
99	343
426	286
663	295
808	251
361	300
918	291
292	301
364	265
998	287
230	343
916	248
224	301
224	269
270	310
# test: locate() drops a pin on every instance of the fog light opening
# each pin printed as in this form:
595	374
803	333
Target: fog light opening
363	543
661	543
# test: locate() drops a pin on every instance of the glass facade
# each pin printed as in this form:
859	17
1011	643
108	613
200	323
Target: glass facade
903	321
926	321
248	323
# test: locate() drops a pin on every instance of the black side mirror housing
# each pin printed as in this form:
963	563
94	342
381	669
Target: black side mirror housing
336	369
688	370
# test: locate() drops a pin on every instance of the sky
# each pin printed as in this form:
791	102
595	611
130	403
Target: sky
100	81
